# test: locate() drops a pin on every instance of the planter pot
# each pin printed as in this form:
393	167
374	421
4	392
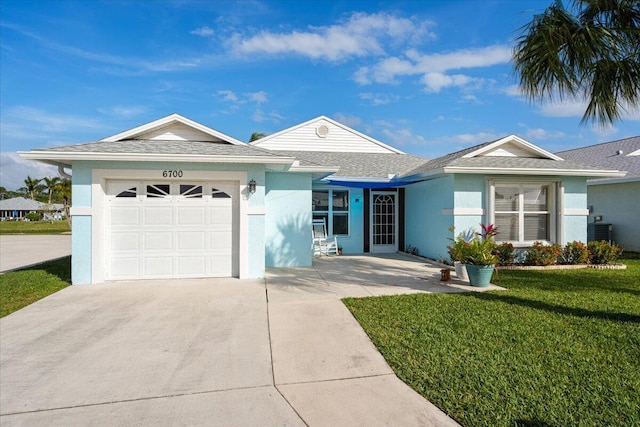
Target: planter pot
480	275
461	270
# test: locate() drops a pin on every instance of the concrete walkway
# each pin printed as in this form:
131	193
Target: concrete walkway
23	250
215	351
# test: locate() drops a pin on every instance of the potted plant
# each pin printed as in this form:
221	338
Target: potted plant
480	257
457	252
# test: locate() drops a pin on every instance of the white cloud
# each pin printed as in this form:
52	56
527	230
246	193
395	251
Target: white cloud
399	137
123	111
35	118
258	97
359	35
540	134
260	116
347	120
470	99
379	98
434	68
228	95
203	31
14	169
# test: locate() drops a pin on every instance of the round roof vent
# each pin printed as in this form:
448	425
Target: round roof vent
322	131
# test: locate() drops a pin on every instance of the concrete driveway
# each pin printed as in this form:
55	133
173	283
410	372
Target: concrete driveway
22	250
280	351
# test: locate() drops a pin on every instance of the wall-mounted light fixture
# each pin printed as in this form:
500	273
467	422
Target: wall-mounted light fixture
252	186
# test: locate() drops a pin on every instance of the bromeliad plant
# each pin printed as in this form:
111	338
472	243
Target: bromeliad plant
459	246
482	249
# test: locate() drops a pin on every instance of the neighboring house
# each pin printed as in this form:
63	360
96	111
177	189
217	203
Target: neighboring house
17	208
614	201
176	199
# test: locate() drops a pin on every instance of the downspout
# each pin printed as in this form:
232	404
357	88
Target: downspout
63	173
560	221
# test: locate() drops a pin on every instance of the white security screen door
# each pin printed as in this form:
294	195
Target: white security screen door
384	222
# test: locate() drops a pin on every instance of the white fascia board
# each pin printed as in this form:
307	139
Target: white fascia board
165	121
361	179
517	139
338	124
533	171
66	157
330	169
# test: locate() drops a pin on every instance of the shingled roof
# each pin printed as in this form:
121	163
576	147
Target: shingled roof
610	155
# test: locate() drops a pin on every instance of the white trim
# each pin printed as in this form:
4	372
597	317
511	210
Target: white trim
256	210
333	122
396	199
513	138
152	157
534	171
576	212
99	180
80	211
168	120
463	211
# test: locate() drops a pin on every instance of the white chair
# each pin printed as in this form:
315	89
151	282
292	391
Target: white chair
323	244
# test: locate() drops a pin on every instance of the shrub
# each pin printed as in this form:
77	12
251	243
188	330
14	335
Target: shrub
603	252
506	254
541	254
412	250
34	216
575	253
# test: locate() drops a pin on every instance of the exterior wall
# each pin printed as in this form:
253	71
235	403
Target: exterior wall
426	227
469	209
619	205
88	211
352	244
575	209
288	241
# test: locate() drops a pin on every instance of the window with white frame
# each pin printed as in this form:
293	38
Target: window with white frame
523	212
333	207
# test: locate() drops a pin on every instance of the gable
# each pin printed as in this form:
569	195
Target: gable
177	132
511	146
324	135
510	149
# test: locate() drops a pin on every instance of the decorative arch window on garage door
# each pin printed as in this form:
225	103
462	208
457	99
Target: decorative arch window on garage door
130	192
158	191
191	191
219	194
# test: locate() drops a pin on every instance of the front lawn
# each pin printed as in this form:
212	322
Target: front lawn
34	227
559	348
22	287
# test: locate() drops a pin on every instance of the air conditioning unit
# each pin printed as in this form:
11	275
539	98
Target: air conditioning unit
597	232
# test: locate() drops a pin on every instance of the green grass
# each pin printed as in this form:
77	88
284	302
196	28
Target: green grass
34	227
559	348
23	287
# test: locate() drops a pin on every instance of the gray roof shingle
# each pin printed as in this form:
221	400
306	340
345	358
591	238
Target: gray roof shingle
362	165
24	204
605	155
146	146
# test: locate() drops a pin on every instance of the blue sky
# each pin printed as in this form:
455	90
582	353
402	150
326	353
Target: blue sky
428	77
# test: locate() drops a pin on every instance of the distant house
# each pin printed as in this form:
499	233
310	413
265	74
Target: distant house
174	198
18	207
614	201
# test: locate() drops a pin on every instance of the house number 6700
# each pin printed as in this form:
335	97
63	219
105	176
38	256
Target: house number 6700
172	174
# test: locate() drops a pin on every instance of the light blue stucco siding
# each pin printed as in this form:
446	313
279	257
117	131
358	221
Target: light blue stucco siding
81	225
469	202
575	197
426	227
288	241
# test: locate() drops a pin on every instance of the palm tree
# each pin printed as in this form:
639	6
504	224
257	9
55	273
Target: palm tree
256	136
31	184
64	189
591	53
51	184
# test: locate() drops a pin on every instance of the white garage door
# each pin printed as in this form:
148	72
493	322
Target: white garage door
171	229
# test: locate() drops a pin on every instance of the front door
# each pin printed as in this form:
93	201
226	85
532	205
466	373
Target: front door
384	222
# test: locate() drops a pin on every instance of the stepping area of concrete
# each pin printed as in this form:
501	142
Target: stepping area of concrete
279	351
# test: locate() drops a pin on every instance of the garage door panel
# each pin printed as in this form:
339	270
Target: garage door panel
124	215
190	240
220	214
157	267
157	240
191	215
125	241
219	267
192	266
158	215
125	268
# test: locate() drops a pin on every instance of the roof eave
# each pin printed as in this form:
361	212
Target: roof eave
602	173
62	157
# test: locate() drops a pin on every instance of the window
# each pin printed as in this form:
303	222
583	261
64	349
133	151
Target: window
158	191
333	207
523	212
131	192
